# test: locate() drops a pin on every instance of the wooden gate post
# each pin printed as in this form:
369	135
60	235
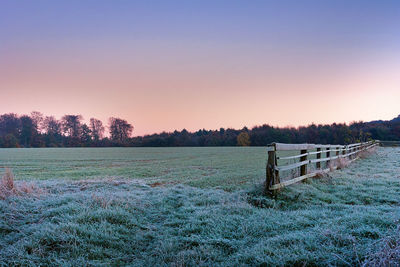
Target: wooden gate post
272	175
303	168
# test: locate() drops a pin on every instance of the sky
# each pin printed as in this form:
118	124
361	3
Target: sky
166	65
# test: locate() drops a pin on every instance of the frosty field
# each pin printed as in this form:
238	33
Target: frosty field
218	167
194	206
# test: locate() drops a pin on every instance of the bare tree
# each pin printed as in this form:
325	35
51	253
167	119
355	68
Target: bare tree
72	125
97	129
120	130
52	126
38	119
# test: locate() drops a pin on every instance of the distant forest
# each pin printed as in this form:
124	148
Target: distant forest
36	130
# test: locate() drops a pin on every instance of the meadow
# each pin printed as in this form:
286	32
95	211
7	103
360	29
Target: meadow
194	207
225	168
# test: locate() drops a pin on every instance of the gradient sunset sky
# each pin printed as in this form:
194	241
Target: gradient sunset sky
166	65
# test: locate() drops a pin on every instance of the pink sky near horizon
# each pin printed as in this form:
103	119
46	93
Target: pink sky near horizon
194	83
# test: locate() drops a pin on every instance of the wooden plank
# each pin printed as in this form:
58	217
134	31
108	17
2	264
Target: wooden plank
270	148
319	157
318	152
288	147
326	146
293	157
315	152
291	181
302	163
291	166
298	179
353	145
371	146
349	154
334	150
323	159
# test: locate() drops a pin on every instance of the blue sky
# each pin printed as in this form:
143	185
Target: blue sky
168	58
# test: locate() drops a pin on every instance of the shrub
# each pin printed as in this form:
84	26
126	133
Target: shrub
243	139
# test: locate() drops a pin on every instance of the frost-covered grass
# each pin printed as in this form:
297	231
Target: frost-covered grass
344	219
227	168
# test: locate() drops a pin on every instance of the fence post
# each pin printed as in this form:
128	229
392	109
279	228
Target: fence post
337	155
272	175
303	168
328	155
319	157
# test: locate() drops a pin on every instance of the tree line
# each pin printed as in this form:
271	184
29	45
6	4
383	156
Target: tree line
37	130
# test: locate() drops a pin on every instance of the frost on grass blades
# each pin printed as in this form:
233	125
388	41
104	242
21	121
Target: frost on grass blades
348	218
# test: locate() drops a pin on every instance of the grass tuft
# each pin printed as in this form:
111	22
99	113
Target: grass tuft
320	174
9	188
7	185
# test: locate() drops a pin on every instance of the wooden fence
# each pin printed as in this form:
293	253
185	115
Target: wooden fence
310	161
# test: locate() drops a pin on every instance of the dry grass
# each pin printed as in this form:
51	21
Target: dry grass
366	153
9	188
101	201
320	174
338	164
7	185
342	163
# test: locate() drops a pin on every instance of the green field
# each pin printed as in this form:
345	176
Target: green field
226	168
193	206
